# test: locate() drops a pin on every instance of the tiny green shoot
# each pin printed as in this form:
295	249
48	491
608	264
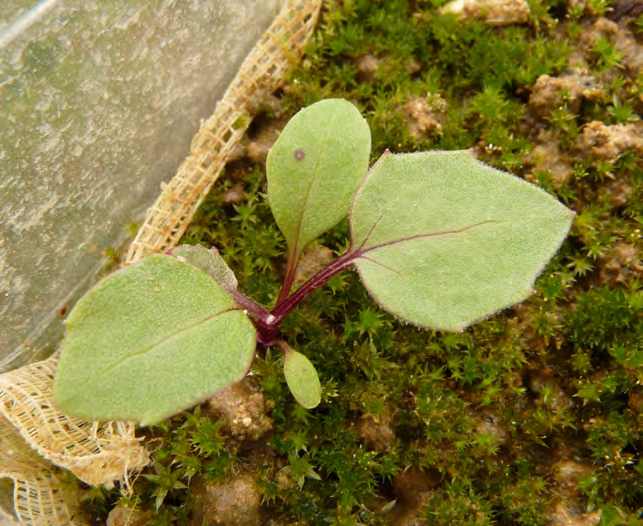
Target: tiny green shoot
439	240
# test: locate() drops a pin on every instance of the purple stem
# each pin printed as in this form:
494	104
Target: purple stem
282	309
262	316
291	268
267	323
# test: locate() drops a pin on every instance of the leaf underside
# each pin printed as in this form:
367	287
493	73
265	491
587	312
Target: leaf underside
441	240
149	341
209	261
314	168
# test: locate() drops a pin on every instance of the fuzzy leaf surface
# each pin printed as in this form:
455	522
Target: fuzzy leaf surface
314	168
302	379
209	261
149	341
442	240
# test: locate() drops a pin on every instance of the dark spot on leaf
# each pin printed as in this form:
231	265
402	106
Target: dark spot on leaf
300	155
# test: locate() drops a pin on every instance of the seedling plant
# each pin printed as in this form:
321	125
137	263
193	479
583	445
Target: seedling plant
439	240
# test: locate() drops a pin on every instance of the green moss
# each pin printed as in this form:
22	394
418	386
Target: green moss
607	317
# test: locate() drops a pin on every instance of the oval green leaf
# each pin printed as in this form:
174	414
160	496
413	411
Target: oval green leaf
442	240
302	379
149	341
314	168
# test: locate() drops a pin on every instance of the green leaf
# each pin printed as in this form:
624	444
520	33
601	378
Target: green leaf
149	341
209	261
314	168
302	378
441	240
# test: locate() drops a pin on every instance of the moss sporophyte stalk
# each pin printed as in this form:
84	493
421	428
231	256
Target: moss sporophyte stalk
438	239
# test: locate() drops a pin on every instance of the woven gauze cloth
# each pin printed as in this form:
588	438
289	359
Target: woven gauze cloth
108	453
37	494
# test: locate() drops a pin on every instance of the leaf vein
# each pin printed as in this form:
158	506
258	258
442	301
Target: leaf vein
360	252
313	179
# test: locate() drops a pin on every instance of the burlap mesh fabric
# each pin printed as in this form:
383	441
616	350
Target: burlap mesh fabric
36	439
95	453
37	494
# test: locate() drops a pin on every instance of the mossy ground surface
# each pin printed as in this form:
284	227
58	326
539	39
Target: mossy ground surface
526	417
